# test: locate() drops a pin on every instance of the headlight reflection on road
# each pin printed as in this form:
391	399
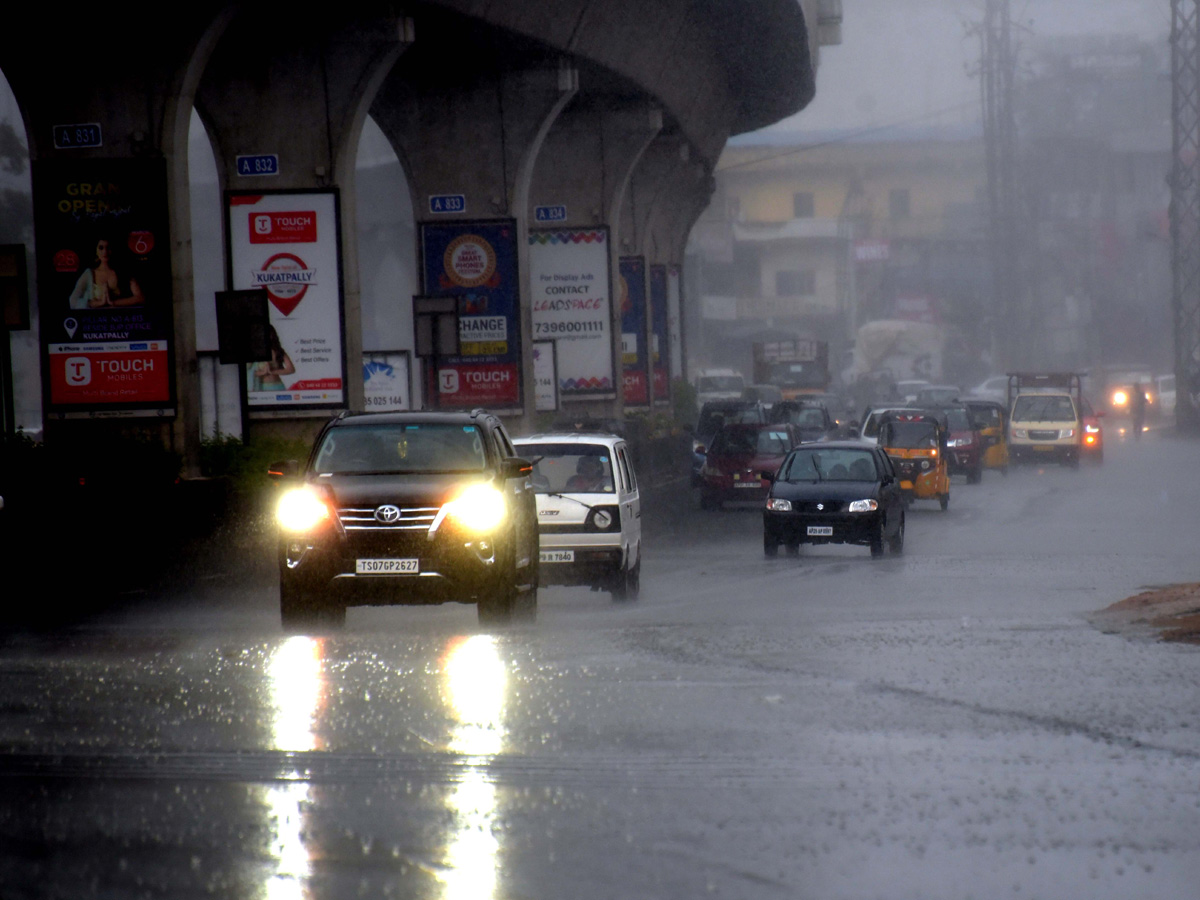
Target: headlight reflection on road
475	687
296	681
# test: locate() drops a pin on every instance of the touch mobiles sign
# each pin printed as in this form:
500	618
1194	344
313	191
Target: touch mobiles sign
283	227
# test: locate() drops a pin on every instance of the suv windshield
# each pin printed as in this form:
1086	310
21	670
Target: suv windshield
398	448
751	442
713	418
571	468
1044	408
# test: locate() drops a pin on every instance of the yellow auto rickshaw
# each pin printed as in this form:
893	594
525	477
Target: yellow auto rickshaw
916	442
992	421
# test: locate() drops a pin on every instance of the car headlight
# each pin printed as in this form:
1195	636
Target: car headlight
1120	398
864	506
479	507
958	442
1067	433
777	505
924	464
1021	433
300	509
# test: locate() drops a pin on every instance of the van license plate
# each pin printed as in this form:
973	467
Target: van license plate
820	531
387	567
553	556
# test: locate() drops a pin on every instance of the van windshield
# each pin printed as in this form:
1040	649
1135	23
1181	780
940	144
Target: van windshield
570	468
1043	408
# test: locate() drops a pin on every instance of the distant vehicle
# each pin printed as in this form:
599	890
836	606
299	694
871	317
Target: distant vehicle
1164	385
841	409
797	366
995	387
1044	423
718	384
766	394
869	429
1118	387
909	389
1092	446
841	492
738	455
991	418
906	348
713	416
937	394
915	441
407	508
589	511
964	442
812	420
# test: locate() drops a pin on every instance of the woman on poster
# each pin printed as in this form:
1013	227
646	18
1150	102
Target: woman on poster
102	285
268	374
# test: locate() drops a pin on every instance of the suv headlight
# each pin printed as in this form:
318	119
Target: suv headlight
1067	433
1020	433
863	506
778	505
300	510
478	508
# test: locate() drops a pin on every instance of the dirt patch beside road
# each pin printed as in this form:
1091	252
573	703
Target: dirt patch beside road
1169	613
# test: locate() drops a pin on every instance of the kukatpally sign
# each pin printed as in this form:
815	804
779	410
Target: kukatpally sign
288	243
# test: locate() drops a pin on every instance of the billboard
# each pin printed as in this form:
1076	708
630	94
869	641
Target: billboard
570	278
634	346
289	244
659	338
104	287
476	262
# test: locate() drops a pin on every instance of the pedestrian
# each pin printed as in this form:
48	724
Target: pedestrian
1137	408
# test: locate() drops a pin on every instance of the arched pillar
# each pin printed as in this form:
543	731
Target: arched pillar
135	106
303	96
586	166
476	136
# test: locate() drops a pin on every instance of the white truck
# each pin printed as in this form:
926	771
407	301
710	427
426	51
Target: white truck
902	349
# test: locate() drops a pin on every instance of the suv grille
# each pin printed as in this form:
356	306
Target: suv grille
1043	435
412	518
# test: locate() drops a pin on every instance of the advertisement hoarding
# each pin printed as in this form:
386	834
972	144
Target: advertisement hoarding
570	293
289	244
104	287
476	262
634	345
658	333
385	382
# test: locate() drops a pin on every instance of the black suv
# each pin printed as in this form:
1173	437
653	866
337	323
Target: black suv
407	508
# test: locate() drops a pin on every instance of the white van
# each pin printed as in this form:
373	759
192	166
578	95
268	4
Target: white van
589	511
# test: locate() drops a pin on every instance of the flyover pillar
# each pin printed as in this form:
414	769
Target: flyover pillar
585	167
302	97
85	124
469	145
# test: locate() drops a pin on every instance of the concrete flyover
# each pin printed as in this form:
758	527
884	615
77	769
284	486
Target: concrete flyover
599	119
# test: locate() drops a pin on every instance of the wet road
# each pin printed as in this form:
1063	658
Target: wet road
943	724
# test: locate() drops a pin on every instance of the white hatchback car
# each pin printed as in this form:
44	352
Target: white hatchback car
589	511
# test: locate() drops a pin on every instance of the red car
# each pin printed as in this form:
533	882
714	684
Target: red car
965	445
736	459
1092	445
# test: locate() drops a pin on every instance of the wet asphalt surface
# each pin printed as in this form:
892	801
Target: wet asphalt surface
945	724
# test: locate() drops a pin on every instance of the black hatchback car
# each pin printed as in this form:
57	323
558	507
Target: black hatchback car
407	508
834	492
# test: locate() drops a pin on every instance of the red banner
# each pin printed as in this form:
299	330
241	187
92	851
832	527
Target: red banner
465	387
112	373
635	388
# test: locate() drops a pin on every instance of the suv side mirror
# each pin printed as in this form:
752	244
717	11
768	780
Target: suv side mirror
769	476
515	467
289	468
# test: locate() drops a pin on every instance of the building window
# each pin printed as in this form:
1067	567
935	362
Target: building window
899	204
795	283
803	205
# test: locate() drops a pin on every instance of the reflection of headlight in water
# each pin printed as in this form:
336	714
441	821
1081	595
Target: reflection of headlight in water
475	688
297	685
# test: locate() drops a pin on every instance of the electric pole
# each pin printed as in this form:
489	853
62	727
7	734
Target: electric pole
1185	209
998	66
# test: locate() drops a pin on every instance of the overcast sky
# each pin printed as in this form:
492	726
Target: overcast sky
909	62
